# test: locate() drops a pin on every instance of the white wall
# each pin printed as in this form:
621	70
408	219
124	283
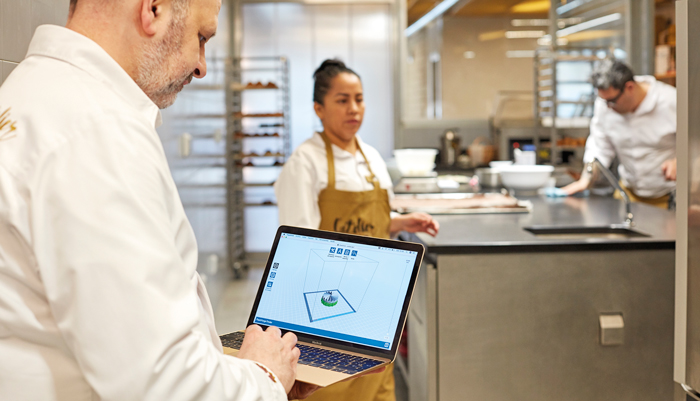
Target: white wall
360	35
18	20
470	85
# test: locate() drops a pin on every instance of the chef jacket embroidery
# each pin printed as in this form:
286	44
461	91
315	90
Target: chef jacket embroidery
7	126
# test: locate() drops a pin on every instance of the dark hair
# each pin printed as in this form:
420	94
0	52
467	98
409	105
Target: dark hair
323	76
611	73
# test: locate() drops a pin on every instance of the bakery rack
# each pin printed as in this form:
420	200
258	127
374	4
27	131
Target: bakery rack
258	143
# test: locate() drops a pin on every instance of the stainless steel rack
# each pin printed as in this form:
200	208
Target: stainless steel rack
249	121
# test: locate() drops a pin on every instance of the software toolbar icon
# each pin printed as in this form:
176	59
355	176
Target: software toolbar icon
332	249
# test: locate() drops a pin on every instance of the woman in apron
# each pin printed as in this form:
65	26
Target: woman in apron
336	182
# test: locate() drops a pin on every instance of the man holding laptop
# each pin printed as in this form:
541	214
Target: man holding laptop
99	294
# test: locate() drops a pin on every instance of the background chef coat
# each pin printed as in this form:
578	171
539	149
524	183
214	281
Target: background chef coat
305	175
642	140
99	294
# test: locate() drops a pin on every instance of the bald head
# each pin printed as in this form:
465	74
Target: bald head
159	43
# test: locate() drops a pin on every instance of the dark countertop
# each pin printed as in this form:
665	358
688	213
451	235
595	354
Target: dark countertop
495	233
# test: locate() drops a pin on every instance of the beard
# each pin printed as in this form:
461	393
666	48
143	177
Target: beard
162	72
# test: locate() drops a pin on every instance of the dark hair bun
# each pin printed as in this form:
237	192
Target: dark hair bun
323	76
328	64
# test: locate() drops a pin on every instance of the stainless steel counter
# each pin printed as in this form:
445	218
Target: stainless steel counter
504	233
499	314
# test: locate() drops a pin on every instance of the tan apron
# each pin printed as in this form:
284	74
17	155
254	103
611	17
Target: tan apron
660	202
362	213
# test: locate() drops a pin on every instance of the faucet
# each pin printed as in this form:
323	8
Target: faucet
629	218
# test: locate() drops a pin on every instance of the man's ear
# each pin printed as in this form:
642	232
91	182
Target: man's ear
151	16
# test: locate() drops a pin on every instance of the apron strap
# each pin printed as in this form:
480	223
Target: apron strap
331	163
372	178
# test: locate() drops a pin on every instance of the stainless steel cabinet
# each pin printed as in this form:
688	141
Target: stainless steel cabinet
527	326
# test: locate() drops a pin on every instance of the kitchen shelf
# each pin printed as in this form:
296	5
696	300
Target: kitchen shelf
250	155
261	204
264	74
258	115
260	166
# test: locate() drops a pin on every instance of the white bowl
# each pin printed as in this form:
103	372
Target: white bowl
500	163
518	176
415	162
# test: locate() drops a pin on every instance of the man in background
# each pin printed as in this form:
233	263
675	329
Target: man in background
634	119
99	294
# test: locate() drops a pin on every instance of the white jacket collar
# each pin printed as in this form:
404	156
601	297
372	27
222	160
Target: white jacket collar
69	46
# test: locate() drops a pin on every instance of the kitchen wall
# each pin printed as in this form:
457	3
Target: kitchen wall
307	34
470	84
471	74
18	20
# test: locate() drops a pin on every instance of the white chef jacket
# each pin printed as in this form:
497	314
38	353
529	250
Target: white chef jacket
305	175
99	294
642	140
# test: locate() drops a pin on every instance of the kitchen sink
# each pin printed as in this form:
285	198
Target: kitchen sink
583	232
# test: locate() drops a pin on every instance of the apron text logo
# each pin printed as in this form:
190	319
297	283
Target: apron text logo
7	126
353	227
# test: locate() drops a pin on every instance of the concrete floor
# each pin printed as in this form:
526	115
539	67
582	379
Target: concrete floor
233	309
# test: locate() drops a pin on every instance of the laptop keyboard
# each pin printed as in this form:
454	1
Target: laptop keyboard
316	357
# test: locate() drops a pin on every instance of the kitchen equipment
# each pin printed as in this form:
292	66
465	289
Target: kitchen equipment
417	184
415	162
523	177
450	148
488	177
500	163
527	155
481	151
613	231
481	203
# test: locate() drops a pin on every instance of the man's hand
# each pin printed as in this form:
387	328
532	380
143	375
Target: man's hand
415	222
277	353
669	169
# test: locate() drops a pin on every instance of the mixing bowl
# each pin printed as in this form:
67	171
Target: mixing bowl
526	177
415	162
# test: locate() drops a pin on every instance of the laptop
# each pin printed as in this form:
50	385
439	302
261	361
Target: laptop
344	296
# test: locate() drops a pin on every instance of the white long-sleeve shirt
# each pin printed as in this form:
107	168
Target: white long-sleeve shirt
99	294
305	175
641	140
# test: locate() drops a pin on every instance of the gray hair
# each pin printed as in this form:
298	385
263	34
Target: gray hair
611	73
178	5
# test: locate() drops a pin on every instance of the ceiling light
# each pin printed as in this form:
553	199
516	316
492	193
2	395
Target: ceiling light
429	16
530	22
531	7
483	37
525	34
589	24
569	6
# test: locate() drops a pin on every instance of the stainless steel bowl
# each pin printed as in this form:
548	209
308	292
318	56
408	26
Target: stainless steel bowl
488	177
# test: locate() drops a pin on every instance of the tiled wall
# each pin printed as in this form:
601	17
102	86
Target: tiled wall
18	20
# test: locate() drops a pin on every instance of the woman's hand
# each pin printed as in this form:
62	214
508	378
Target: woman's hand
414	223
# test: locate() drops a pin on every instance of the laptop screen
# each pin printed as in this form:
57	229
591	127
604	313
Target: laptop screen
338	290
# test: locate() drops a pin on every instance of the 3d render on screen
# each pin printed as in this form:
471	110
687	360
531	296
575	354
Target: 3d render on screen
335	287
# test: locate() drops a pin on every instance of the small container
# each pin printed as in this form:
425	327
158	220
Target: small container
526	156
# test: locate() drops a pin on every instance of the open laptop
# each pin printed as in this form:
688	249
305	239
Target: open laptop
344	296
